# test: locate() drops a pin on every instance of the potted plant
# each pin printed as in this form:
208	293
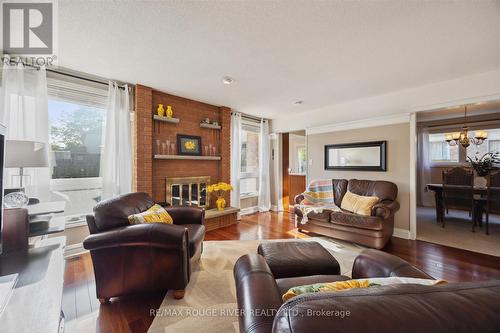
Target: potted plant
483	166
219	189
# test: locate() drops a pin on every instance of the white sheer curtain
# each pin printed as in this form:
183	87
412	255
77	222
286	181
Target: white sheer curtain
235	158
116	159
24	111
264	202
425	198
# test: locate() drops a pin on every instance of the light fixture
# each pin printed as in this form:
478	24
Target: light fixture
298	102
227	80
462	137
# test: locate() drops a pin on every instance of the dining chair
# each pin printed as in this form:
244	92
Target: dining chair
490	204
458	191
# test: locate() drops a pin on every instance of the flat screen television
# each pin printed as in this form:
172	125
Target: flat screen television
2	159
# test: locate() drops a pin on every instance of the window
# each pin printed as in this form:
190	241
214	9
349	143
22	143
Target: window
440	150
75	139
301	159
249	185
76	121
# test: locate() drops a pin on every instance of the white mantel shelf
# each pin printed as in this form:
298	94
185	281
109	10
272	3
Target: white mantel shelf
187	157
166	119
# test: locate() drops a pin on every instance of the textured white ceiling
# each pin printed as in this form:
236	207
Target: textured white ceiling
280	51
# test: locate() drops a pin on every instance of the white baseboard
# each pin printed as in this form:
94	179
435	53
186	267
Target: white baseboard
74	250
401	233
274	208
249	210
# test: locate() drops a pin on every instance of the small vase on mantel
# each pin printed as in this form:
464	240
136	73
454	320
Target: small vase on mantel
170	113
160	110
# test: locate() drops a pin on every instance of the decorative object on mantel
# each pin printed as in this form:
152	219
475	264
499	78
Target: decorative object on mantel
359	156
205	123
188	145
219	189
160	110
483	166
170	113
462	137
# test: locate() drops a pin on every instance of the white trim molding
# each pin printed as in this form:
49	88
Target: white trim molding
74	250
249	210
357	124
274	208
413	176
401	233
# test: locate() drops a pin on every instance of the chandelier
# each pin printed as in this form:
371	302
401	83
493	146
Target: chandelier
462	137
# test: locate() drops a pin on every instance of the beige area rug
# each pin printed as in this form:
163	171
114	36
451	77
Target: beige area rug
210	301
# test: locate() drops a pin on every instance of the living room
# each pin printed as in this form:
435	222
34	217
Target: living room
247	166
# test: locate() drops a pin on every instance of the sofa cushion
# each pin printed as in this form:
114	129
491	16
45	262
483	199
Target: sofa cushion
358	221
154	214
358	204
113	213
383	190
287	283
324	216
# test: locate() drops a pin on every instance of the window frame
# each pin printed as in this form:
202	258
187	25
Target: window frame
255	128
60	89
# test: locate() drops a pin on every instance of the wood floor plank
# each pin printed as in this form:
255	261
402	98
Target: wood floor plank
132	314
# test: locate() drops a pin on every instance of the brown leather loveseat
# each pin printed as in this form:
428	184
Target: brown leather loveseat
407	308
372	231
151	257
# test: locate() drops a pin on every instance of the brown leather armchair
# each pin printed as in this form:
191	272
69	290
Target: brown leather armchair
153	257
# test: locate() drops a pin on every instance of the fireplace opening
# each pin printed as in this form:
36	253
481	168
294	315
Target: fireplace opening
187	191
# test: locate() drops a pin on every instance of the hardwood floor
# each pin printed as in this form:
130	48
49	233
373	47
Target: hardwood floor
132	314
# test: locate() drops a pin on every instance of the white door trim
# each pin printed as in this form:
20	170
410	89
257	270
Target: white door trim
413	176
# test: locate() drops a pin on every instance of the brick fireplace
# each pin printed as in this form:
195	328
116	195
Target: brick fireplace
152	168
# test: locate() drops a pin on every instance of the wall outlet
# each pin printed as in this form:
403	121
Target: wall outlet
310	161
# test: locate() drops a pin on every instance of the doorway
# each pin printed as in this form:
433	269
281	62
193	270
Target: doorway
294	166
451	224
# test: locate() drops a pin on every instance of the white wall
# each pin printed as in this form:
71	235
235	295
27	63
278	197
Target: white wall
478	87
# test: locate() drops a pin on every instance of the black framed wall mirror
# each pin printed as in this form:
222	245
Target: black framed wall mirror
360	156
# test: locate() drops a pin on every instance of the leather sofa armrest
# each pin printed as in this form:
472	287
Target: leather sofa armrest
186	215
373	263
258	296
385	209
298	198
158	235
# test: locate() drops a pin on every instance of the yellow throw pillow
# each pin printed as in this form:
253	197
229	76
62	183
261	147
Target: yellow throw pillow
356	283
358	204
155	214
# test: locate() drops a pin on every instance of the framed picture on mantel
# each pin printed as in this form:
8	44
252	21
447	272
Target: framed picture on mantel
360	156
188	145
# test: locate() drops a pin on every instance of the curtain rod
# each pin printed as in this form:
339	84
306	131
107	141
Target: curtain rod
249	117
65	73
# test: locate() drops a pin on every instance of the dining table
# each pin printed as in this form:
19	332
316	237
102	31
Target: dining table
438	196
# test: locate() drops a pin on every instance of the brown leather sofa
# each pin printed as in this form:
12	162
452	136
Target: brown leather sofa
372	231
453	307
153	257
